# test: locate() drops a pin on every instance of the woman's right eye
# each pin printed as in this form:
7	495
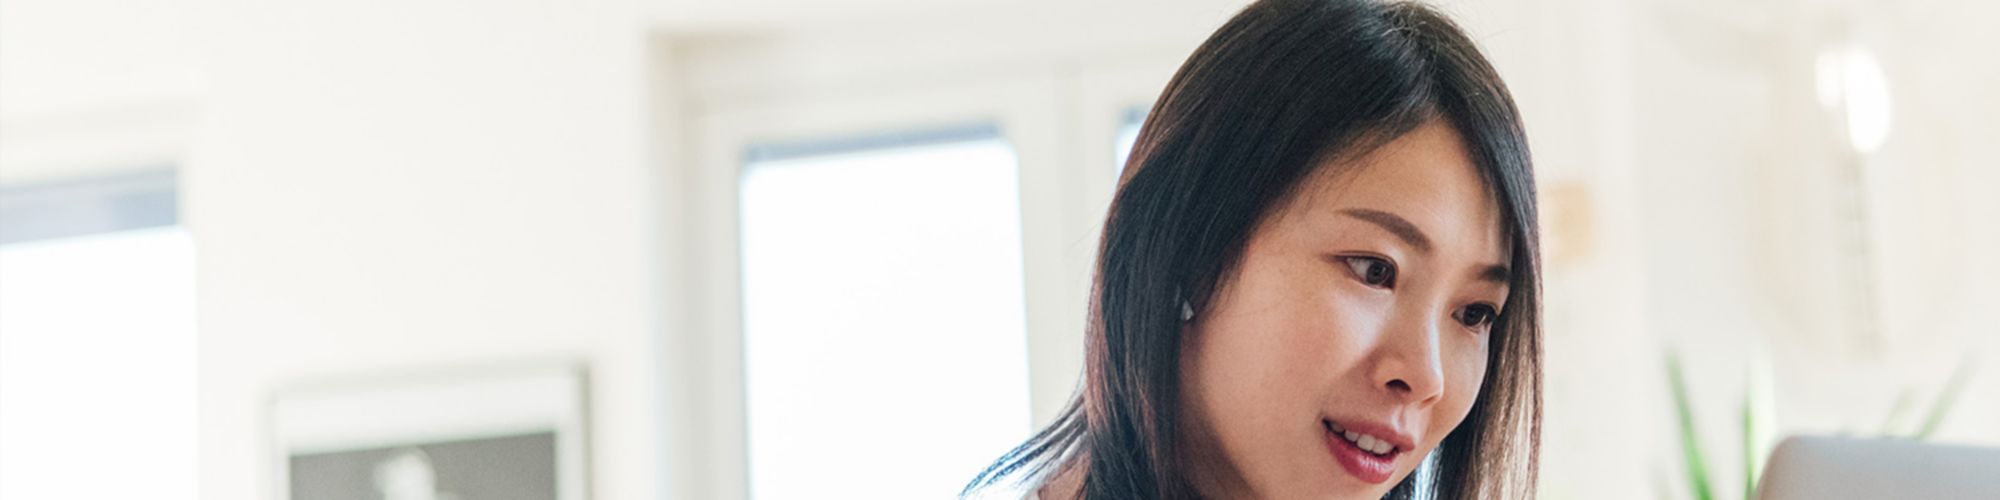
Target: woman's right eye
1373	271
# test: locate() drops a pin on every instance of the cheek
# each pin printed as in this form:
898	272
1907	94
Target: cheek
1278	343
1265	363
1465	375
1258	367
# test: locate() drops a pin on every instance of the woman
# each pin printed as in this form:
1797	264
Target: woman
1319	279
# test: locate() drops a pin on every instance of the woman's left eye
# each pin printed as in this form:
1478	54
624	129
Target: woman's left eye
1372	271
1477	315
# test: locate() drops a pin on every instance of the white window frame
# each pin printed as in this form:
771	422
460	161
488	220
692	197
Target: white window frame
1060	119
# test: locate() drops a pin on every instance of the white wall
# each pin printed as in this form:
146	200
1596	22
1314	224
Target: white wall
88	86
375	188
399	187
408	185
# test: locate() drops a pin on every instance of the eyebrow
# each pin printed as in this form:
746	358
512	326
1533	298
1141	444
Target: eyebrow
1394	224
1402	228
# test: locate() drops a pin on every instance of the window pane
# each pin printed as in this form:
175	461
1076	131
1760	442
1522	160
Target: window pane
97	366
884	331
1128	134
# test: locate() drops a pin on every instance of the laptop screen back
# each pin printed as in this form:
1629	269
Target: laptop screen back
1829	468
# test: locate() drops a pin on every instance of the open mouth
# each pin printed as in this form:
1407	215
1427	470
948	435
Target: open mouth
1365	456
1371	444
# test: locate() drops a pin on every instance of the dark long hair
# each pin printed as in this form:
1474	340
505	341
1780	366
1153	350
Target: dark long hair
1285	87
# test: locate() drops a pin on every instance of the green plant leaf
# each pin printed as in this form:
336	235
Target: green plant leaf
1942	407
1749	444
1898	410
1760	419
1690	443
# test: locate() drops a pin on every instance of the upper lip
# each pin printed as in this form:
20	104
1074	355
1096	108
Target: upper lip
1381	430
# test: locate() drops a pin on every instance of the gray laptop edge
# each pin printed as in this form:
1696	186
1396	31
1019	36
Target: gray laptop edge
1831	468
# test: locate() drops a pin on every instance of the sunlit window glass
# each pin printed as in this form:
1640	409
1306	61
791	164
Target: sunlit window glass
97	341
1128	133
884	331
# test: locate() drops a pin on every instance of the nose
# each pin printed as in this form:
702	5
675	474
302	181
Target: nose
1408	363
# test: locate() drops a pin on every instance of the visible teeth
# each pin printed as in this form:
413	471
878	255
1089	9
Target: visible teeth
1366	442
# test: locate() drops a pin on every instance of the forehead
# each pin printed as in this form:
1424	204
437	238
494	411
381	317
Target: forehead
1425	176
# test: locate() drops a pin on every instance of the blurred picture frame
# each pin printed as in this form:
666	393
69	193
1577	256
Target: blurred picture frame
495	434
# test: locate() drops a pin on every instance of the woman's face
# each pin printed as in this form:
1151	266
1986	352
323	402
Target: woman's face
1360	308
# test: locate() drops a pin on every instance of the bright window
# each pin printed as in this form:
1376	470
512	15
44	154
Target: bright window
97	342
884	329
1128	134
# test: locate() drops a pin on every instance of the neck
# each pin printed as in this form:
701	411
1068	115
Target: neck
1066	483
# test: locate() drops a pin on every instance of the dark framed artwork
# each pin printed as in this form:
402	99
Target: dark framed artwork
501	435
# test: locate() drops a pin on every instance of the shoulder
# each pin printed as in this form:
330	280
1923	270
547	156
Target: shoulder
1065	484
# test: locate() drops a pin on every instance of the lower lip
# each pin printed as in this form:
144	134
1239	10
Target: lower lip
1363	465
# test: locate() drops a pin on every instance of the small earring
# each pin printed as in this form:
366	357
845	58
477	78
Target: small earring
1187	311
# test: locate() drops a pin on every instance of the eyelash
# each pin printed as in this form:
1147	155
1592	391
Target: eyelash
1354	266
1488	314
1377	272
